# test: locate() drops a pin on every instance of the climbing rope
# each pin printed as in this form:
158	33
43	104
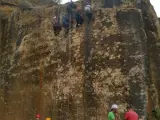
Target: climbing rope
54	109
69	52
40	86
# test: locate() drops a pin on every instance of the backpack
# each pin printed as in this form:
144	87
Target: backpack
65	20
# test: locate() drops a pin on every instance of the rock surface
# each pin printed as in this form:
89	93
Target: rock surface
79	76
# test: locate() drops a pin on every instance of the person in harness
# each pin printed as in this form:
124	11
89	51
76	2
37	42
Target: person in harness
78	17
88	13
56	25
71	7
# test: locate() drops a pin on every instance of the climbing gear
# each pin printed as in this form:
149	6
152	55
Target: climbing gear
65	22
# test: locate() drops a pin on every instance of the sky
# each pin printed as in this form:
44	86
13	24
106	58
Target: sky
155	3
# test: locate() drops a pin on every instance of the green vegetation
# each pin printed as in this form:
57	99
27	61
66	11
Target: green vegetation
155	115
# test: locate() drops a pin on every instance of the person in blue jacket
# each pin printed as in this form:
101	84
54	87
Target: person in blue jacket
65	22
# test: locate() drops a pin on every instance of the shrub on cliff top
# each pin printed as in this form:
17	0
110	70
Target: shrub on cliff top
23	5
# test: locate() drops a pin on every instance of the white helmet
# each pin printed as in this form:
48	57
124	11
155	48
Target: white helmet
114	106
87	8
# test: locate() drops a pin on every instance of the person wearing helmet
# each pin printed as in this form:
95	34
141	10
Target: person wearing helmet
113	112
38	117
88	12
48	118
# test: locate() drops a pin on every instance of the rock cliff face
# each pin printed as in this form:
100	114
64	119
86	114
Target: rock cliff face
78	76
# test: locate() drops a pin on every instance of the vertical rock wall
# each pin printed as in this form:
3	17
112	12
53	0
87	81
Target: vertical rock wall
135	59
153	32
43	73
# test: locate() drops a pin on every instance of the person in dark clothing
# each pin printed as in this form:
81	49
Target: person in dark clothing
78	18
56	25
71	7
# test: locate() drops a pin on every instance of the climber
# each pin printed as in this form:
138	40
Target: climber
71	7
65	22
88	13
38	116
113	114
130	114
78	17
56	25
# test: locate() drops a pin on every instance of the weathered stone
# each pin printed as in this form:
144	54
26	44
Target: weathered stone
79	76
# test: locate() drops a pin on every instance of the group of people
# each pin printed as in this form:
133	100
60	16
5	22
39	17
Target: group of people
74	12
113	114
129	115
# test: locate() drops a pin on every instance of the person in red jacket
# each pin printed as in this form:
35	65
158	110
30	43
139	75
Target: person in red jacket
38	116
130	114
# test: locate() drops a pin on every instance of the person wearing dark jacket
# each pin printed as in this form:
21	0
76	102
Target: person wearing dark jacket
71	7
78	18
56	25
